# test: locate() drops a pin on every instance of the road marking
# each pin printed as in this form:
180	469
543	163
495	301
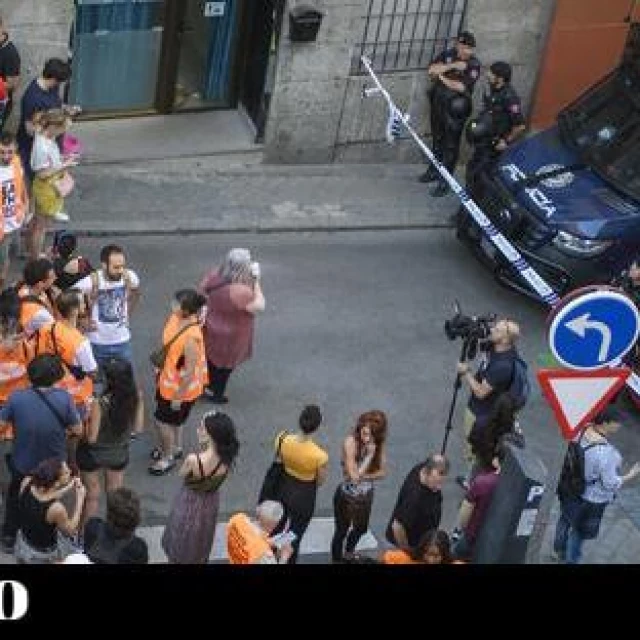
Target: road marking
317	539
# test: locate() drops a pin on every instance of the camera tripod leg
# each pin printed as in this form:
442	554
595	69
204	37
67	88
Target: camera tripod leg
456	388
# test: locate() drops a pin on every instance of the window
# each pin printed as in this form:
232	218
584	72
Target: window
403	35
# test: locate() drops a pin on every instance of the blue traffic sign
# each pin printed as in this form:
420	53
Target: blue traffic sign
594	330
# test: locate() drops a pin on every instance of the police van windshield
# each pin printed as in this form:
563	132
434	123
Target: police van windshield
603	128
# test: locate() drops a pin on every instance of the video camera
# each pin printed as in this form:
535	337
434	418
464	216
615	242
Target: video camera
474	331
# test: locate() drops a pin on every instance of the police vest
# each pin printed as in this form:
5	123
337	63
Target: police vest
246	543
173	371
64	341
12	196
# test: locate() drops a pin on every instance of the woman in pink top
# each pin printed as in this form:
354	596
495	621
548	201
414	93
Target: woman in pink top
234	296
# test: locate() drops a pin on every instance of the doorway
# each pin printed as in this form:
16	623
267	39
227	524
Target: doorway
156	56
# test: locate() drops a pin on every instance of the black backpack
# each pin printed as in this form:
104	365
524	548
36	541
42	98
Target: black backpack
572	481
520	386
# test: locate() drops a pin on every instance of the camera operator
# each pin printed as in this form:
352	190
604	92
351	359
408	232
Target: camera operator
493	377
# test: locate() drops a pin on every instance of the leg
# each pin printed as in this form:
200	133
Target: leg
299	525
574	546
113	479
91	480
218	379
138	424
360	524
4	258
11	521
342	524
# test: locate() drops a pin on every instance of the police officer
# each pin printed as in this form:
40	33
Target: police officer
454	73
498	125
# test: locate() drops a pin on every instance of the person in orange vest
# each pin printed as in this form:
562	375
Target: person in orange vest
64	339
37	306
434	547
182	378
251	542
13	199
15	354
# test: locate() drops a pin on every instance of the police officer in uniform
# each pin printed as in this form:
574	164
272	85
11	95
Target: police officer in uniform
454	73
498	125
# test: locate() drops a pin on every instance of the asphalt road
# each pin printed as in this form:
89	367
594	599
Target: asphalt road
354	321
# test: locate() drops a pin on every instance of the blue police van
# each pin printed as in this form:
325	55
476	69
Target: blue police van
568	197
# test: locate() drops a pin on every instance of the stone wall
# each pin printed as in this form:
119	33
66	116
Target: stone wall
40	30
318	113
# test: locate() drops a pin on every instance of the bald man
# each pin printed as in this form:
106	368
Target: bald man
493	377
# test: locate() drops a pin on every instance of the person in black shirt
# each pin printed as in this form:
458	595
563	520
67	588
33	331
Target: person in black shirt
114	541
493	377
498	125
9	72
454	73
419	505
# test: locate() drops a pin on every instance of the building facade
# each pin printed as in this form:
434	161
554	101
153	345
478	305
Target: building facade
304	99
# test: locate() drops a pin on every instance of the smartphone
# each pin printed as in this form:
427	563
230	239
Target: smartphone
282	539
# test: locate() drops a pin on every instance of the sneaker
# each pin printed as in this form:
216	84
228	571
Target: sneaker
463	482
427	177
61	216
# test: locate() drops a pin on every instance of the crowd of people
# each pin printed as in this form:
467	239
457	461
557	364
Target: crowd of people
70	404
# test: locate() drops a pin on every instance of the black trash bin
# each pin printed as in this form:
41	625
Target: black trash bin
304	22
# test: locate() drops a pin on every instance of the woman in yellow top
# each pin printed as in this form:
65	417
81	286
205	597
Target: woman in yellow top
305	466
434	548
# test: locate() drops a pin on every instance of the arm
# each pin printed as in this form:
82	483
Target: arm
400	535
48	173
479	389
187	466
258	303
190	363
58	515
464	515
454	85
134	298
382	471
349	452
95	416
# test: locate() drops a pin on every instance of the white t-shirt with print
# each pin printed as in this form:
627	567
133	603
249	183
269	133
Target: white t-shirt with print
45	154
110	313
8	186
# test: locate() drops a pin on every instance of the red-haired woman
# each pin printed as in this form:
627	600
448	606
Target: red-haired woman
363	461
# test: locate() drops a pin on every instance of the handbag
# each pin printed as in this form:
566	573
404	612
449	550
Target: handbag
272	482
64	184
159	356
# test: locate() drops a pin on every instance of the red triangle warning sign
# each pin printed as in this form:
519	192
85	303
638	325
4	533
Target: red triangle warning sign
577	396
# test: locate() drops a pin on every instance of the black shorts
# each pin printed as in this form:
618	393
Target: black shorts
89	459
165	414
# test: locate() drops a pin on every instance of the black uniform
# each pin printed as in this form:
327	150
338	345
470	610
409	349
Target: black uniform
502	112
447	128
9	67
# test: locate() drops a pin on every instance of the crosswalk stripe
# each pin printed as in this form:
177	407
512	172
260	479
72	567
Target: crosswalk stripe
317	539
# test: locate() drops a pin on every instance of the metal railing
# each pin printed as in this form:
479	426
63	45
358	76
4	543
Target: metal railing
405	35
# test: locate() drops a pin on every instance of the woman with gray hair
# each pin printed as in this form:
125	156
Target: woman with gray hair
234	296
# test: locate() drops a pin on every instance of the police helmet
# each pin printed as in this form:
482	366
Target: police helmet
480	129
460	107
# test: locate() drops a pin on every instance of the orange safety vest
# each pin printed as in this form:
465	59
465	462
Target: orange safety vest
64	341
13	376
12	194
246	544
171	375
397	556
29	306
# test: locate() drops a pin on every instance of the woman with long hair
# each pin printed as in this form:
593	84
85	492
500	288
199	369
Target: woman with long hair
434	547
363	462
105	446
188	535
42	514
234	296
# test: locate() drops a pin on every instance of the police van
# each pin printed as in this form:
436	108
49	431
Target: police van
568	197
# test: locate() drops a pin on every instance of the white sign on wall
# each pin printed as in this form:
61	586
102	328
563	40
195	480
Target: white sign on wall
214	9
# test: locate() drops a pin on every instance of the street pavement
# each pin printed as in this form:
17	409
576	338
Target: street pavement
354	321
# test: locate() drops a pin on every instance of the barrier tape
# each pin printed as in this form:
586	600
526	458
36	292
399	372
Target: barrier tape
515	258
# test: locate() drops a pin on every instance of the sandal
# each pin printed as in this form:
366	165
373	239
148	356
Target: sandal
162	466
156	453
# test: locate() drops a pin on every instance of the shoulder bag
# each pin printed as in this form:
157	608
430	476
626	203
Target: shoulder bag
272	482
159	356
